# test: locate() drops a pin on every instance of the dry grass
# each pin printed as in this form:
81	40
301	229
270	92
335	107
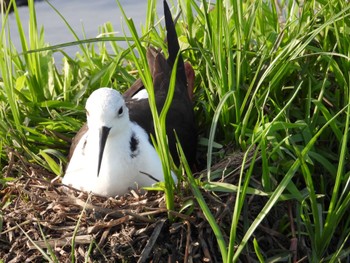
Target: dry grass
41	213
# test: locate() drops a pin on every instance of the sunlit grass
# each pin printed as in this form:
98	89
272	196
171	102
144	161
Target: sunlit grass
159	119
272	79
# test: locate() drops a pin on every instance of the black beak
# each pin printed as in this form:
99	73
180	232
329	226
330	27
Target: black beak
103	138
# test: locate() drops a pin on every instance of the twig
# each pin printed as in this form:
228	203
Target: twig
147	250
60	242
188	238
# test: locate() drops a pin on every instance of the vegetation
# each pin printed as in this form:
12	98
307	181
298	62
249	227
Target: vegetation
272	81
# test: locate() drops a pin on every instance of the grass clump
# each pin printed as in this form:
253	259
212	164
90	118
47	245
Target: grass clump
272	82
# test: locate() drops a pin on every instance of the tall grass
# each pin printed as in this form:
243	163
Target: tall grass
42	101
272	79
159	119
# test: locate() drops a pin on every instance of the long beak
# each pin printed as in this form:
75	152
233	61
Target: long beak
103	138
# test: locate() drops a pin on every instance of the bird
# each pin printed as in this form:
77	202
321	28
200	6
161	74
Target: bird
114	153
180	120
180	117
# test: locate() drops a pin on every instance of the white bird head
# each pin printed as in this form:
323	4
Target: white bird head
106	114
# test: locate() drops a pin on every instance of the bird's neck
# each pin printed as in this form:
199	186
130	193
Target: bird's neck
120	138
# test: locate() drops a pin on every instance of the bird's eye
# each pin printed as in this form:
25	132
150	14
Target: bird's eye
120	112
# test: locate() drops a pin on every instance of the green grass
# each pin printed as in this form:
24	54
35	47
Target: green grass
270	79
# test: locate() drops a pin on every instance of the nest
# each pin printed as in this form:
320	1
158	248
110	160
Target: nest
42	219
